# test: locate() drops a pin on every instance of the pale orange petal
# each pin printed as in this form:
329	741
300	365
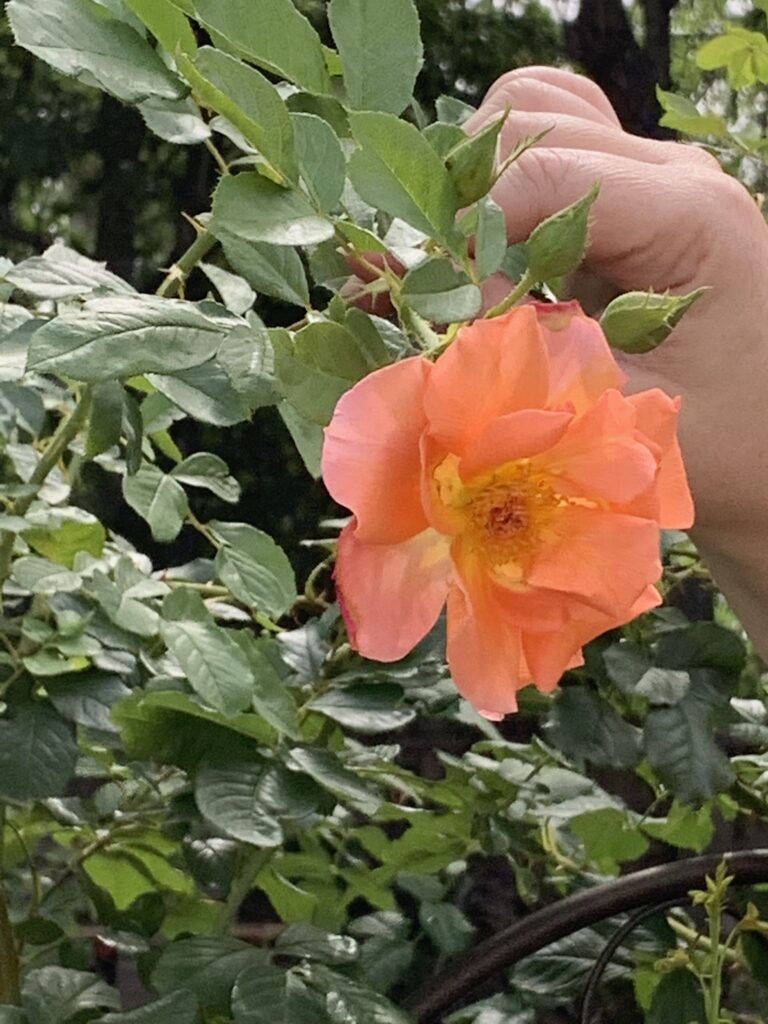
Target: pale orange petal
391	594
494	367
657	416
601	455
604	558
551	653
519	435
484	652
371	460
581	363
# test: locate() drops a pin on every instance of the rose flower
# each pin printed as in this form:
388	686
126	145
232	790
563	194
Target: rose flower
512	479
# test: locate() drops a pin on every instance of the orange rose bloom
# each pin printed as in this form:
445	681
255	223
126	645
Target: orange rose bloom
514	480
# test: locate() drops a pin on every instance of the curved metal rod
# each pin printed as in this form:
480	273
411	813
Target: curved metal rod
596	974
545	926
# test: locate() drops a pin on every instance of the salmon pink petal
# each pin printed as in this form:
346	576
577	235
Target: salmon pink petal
494	367
604	558
391	594
519	435
371	460
657	415
484	651
602	455
581	364
549	654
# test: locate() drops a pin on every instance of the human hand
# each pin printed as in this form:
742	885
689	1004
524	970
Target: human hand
667	217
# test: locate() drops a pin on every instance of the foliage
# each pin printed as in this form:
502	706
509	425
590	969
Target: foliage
175	737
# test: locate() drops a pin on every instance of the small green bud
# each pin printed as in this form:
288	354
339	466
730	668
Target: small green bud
557	245
472	163
639	321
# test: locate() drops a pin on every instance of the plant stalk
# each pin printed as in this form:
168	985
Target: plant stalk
183	267
10	988
521	289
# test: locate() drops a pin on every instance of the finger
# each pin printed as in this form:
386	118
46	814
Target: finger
535	96
578	85
642	233
566	132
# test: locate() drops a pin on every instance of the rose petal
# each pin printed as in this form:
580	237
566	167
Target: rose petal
657	416
494	367
605	558
391	594
602	455
371	461
519	435
581	364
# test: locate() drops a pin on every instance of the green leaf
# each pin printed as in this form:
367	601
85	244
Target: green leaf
254	568
245	724
688	827
249	101
677	999
205	393
557	245
159	499
206	965
229	797
63	543
37	752
62	273
682	115
318	365
626	663
558	971
246	354
444	137
106	418
609	838
491	237
348	1000
271	699
325	768
702	645
81	38
236	294
53	995
472	163
87	698
440	292
398	171
213	663
40	576
663	685
680	746
202	469
122	337
307	436
129	871
321	160
264	994
274	270
176	121
446	926
381	52
166	23
366	708
453	111
257	210
586	727
640	321
280	39
177	1008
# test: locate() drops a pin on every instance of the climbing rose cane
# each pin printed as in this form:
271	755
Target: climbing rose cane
514	480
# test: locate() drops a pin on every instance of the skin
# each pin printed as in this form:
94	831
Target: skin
667	218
